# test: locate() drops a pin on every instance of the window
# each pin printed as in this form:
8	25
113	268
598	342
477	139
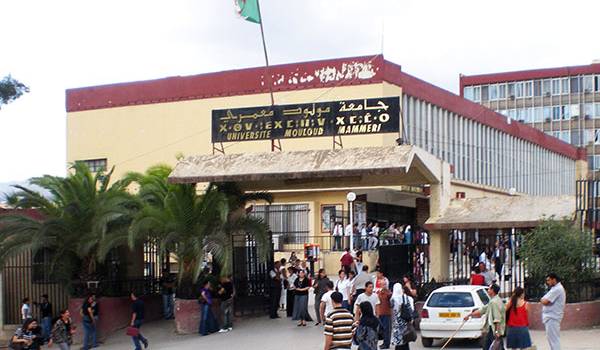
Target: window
575	85
565	135
477	93
451	299
597	137
588	83
511	89
575	111
564	112
555	86
576	139
503	112
556	113
588	136
483	296
95	165
40	272
468	93
528	88
564	86
597	83
546	87
520	115
512	113
596	162
493	92
547	113
502	91
555	134
288	222
330	214
537	88
485	93
529	115
519	89
588	110
538	114
597	108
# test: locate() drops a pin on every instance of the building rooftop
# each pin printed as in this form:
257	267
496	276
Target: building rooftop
299	76
492	78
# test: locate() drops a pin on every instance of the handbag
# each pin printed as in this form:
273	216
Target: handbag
132	331
496	344
405	312
410	335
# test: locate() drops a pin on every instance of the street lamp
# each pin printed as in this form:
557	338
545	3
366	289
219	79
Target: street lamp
351	197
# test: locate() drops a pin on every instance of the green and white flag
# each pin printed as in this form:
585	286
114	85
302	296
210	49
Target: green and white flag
248	10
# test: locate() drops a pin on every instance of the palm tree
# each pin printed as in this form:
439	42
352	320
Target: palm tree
82	221
192	224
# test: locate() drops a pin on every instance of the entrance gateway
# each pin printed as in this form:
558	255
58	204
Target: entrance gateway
305	183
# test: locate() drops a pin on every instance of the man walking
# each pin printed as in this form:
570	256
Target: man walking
338	326
369	296
320	287
346	261
46	315
137	318
384	311
167	284
326	305
495	313
226	295
275	289
553	307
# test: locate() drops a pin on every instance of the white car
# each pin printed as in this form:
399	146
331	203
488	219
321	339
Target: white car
445	309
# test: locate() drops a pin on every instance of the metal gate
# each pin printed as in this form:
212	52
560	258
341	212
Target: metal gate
24	276
250	275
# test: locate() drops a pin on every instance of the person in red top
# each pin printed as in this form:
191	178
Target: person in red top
517	323
347	260
384	312
477	278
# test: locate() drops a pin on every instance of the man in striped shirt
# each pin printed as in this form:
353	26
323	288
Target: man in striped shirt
338	325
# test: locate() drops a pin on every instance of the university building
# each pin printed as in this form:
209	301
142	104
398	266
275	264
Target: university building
312	132
563	102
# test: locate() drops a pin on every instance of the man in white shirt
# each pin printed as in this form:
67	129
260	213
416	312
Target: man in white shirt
348	231
326	303
367	296
25	309
337	233
343	286
553	310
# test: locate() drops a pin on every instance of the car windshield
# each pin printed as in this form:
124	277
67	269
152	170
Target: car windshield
483	296
451	299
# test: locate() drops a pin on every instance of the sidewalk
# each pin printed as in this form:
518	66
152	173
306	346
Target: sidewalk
265	334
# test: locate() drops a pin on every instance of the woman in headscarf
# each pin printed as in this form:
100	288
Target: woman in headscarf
400	325
368	326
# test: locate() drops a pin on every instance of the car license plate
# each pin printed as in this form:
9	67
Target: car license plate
449	314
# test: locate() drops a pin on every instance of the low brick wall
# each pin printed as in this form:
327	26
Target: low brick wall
577	315
115	314
188	314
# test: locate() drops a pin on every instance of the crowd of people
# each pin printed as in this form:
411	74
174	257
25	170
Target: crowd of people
355	306
372	235
509	323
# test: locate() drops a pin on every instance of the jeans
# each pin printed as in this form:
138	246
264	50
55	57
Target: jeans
553	333
167	306
64	346
227	310
89	335
386	323
337	243
208	323
139	338
46	327
317	305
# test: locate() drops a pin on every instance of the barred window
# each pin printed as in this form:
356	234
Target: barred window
95	165
42	261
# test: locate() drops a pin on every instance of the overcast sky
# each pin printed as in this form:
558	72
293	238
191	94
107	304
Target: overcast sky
54	45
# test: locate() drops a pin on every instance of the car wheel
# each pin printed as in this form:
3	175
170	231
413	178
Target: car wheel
427	342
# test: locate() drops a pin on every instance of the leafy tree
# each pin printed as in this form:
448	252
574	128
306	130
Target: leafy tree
11	89
557	246
190	224
81	221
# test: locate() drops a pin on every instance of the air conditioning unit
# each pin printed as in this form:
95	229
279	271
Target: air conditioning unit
547	119
512	97
521	120
547	94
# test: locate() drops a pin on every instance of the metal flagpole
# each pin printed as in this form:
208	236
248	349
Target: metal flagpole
267	75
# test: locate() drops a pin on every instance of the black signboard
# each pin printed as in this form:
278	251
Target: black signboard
349	117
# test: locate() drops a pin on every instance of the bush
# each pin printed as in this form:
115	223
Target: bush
558	246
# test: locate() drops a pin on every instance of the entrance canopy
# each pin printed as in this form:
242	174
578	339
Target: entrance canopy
360	167
501	212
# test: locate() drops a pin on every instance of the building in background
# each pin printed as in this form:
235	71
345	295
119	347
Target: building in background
563	102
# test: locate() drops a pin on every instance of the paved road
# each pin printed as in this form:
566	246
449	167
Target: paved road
265	334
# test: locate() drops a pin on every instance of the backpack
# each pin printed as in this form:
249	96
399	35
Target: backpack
405	312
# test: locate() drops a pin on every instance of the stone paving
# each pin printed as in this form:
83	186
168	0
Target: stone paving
265	334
